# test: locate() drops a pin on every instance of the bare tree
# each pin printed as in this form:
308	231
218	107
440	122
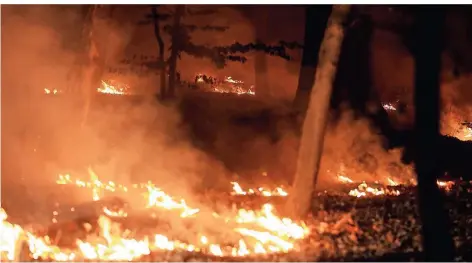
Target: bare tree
176	42
94	62
311	143
88	65
160	42
259	18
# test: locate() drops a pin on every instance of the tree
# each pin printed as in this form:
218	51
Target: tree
437	241
220	55
316	18
93	65
157	32
311	143
176	42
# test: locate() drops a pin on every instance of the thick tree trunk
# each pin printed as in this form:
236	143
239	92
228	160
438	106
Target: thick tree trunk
311	143
316	18
157	33
179	12
437	241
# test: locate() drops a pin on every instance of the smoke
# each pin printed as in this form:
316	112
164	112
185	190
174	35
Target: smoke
127	140
352	148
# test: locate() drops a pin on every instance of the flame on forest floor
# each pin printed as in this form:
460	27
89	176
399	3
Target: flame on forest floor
113	88
227	85
259	231
261	191
366	190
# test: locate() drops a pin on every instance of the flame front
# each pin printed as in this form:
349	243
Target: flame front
227	85
238	190
113	88
260	231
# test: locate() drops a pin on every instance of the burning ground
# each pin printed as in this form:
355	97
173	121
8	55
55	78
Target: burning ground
144	196
366	221
143	191
132	185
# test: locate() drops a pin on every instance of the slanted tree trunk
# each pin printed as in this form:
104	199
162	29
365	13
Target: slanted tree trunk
94	63
437	241
311	143
316	18
162	64
179	12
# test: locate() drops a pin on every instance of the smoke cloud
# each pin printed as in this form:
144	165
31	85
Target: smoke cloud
125	139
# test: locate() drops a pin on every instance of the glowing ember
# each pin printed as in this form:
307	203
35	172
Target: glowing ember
260	232
238	190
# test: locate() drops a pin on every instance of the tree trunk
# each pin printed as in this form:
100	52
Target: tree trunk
316	18
157	33
179	11
94	64
437	241
311	143
260	59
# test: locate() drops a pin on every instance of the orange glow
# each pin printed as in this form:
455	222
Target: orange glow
259	231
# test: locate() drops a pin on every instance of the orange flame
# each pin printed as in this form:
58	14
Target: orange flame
260	231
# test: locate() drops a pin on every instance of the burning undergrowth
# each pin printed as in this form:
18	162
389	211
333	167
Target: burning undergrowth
140	201
226	85
108	229
354	150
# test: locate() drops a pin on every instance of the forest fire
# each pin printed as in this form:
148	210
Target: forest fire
253	231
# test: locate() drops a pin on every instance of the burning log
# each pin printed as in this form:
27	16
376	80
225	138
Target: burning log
81	220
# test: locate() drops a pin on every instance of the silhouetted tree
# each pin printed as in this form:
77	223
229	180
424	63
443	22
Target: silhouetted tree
316	18
314	126
353	82
94	63
437	241
219	55
177	40
260	60
157	32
